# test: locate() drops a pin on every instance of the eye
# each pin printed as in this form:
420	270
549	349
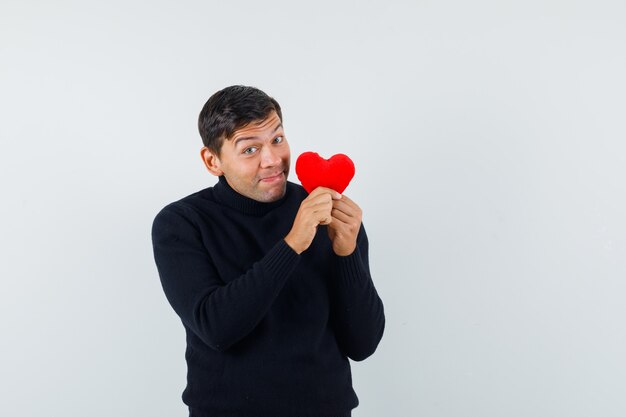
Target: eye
278	139
250	150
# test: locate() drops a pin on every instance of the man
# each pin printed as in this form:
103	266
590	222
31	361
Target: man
272	285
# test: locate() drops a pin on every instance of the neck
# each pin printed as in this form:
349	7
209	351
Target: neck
231	198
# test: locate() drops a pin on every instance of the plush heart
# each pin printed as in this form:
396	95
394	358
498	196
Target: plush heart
314	171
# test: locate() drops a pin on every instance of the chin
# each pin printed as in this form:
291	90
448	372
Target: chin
273	195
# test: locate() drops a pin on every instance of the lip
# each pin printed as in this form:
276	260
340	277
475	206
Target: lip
273	178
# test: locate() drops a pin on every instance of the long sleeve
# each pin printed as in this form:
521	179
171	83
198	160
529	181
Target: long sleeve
357	310
219	314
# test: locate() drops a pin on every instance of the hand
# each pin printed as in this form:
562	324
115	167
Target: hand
344	227
314	210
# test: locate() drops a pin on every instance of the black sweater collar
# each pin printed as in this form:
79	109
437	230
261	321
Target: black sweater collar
231	198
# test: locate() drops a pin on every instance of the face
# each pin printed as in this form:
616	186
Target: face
255	160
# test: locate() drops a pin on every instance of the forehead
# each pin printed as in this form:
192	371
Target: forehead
260	127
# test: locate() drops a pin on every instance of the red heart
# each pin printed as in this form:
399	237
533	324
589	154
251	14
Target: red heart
314	171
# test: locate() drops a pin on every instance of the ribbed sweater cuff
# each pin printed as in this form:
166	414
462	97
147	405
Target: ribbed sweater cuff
281	259
351	269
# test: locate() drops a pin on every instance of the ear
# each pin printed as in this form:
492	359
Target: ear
211	161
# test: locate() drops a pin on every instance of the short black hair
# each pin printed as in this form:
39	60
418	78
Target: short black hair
230	109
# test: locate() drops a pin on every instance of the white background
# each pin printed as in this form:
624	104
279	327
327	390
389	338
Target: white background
489	141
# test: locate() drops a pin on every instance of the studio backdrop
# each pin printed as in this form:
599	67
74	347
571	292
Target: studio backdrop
489	144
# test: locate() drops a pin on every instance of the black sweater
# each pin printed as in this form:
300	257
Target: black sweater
269	332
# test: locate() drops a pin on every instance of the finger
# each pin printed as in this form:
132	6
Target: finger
318	199
324	190
322	208
322	213
340	227
347	208
350	202
323	216
341	216
345	227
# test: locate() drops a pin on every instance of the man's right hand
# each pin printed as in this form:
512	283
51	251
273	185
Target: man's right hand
314	210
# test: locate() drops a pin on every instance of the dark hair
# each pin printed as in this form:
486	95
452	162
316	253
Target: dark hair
230	109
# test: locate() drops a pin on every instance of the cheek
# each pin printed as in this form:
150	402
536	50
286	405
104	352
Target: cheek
286	153
241	170
248	168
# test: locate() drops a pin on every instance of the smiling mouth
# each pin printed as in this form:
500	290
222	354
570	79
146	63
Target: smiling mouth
273	177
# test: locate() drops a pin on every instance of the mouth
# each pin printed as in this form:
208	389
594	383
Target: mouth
274	177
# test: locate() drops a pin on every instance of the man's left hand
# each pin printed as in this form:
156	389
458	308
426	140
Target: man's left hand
344	226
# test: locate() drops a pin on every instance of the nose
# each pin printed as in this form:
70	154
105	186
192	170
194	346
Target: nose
269	157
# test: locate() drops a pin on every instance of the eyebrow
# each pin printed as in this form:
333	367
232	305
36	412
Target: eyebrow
256	137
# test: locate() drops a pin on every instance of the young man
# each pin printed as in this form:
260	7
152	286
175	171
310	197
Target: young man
272	284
